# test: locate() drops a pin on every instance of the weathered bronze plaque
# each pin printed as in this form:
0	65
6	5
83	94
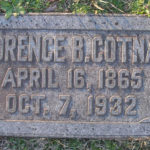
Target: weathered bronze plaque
75	76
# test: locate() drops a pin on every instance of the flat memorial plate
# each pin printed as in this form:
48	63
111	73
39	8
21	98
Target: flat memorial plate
64	75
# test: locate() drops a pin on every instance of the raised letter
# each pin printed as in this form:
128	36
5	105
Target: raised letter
131	102
101	79
147	59
9	78
123	79
34	77
110	49
22	75
136	79
90	105
110	78
97	50
1	48
22	48
47	44
124	41
10	45
34	48
38	99
59	49
100	105
52	82
77	51
79	81
138	50
24	106
65	109
116	108
11	103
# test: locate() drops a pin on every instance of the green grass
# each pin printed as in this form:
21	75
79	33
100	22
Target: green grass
141	7
20	7
71	144
93	6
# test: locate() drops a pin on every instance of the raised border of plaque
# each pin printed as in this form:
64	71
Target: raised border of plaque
118	108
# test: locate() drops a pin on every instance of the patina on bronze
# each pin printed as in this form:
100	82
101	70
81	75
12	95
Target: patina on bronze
64	75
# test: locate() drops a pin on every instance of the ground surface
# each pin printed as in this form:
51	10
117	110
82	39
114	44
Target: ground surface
20	7
17	7
12	143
